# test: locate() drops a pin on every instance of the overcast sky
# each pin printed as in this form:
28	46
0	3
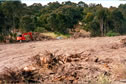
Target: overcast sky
105	3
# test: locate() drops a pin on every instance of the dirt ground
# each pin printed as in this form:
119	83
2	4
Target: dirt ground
100	49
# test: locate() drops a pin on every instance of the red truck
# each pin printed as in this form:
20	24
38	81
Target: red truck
24	37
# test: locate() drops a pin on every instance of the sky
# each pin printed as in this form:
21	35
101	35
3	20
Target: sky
105	3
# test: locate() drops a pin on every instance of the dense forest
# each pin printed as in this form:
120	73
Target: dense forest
61	17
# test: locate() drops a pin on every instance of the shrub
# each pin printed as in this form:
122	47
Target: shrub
40	29
111	33
1	38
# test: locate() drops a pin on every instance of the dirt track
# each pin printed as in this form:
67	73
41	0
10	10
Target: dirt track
18	55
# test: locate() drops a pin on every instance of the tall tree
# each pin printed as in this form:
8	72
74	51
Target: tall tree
101	16
12	11
117	19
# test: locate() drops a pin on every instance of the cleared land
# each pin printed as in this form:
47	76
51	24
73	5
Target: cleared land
100	53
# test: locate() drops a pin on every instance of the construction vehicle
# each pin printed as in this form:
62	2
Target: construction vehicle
24	37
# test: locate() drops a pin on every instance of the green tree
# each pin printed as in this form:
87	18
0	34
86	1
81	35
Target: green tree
12	11
82	4
117	19
27	23
64	18
2	18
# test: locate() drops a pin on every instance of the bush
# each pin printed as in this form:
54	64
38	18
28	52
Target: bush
1	38
111	33
13	35
40	29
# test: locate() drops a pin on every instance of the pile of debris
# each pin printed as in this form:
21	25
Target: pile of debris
81	33
54	68
40	37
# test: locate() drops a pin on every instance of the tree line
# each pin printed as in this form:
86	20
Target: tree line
61	17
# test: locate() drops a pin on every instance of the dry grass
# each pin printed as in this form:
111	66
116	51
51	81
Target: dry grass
102	79
50	34
53	35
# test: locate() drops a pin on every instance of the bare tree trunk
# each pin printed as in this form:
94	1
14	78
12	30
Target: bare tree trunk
101	27
105	27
